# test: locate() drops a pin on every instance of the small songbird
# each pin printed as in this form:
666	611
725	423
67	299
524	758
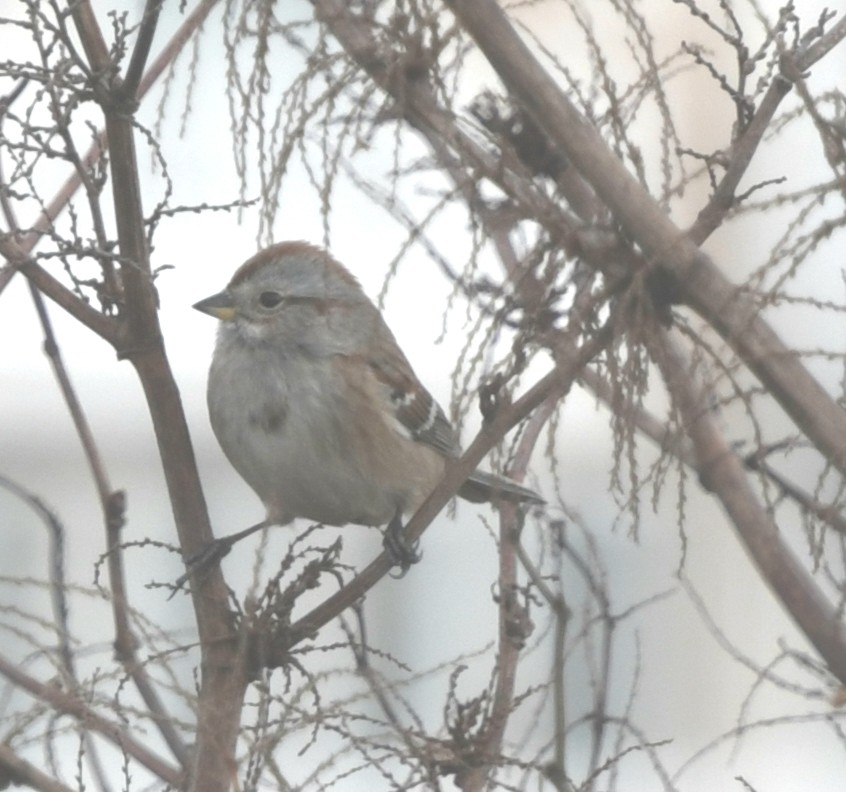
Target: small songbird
317	407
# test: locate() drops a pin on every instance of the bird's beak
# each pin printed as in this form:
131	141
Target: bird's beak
220	306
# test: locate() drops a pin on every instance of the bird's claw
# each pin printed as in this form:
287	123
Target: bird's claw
398	549
210	553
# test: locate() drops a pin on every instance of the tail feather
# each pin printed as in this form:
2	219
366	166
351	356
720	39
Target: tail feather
484	487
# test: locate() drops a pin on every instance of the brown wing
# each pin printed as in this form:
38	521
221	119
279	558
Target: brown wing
417	414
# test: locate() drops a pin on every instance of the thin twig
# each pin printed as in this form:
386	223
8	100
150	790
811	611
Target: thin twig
712	215
118	735
62	198
61	611
112	503
513	615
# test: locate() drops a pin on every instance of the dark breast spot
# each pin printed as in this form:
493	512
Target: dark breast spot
268	419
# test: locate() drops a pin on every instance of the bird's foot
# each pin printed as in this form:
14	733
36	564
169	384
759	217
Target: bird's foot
212	552
398	548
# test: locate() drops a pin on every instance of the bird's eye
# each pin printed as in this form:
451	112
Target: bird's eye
270	299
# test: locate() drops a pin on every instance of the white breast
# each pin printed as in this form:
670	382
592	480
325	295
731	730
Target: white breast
307	451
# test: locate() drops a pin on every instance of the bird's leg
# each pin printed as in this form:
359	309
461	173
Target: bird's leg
211	552
397	547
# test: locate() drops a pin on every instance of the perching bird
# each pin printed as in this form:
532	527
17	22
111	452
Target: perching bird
317	407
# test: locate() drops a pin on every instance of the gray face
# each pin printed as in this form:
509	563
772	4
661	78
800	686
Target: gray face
299	299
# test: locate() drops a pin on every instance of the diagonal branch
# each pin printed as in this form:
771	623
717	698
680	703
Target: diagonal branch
112	503
18	259
96	50
419	106
740	157
744	148
723	473
15	770
115	733
552	387
701	283
146	32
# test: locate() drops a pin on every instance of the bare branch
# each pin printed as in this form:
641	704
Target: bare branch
553	386
723	473
143	43
702	284
92	39
17	771
104	326
514	621
114	732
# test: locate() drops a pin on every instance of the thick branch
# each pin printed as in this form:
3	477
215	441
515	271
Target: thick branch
419	106
17	771
146	32
224	678
723	473
91	37
704	287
